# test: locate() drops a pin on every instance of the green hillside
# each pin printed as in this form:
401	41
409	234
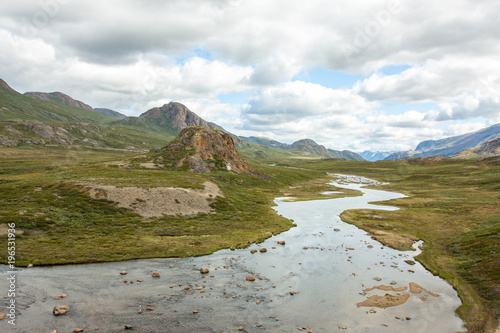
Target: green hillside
16	106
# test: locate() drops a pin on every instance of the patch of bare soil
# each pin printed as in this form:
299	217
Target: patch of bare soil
385	301
158	201
389	300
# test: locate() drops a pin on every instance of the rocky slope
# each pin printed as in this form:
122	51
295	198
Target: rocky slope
490	148
201	149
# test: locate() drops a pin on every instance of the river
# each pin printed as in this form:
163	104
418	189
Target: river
325	263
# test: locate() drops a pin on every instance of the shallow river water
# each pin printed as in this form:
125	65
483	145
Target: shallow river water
327	262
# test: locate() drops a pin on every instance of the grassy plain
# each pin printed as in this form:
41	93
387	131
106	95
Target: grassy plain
57	223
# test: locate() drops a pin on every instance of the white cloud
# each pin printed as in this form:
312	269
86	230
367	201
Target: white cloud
296	100
130	55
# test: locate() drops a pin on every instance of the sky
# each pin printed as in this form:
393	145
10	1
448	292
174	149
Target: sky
375	74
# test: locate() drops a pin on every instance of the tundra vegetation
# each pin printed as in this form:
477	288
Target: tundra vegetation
452	205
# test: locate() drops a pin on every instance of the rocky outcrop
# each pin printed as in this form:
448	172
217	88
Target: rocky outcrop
200	149
8	142
61	98
32	132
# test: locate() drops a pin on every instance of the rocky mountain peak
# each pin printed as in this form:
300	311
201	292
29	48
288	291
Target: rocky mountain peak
201	149
304	142
59	97
175	115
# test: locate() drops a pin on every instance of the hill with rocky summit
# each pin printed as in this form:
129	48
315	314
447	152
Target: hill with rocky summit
173	116
202	150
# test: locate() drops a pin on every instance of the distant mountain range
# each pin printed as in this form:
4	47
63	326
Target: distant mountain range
374	156
449	146
306	147
37	118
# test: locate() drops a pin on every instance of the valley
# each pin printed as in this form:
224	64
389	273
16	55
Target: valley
82	187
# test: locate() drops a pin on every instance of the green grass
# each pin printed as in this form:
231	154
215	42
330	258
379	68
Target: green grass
57	223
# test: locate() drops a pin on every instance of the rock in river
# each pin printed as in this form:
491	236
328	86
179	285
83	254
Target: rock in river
60	309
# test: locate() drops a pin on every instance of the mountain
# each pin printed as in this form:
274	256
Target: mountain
455	144
373	156
450	146
310	147
487	149
202	150
48	119
19	107
168	119
174	116
60	98
305	147
266	142
110	113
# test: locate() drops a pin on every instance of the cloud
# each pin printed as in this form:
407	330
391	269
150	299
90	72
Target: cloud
129	55
408	119
293	101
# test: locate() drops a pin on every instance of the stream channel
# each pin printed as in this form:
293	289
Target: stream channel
325	263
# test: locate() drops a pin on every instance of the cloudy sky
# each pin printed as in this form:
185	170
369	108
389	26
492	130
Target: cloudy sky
371	74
